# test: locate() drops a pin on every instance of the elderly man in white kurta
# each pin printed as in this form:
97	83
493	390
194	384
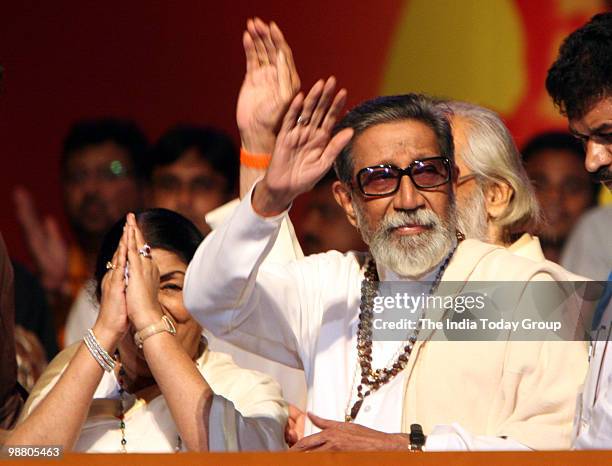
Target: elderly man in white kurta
488	395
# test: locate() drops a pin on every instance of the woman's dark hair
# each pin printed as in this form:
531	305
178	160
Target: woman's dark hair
161	228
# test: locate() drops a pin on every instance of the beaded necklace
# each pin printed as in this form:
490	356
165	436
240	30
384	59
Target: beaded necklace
370	378
121	415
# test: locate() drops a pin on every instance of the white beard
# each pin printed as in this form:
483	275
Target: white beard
472	217
409	255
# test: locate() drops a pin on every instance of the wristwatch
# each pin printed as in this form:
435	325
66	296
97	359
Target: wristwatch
164	325
417	438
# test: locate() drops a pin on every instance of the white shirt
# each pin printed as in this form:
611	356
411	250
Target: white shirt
588	250
304	315
282	321
82	314
593	421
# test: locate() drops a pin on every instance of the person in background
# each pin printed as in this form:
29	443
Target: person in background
32	311
580	84
102	170
495	201
554	163
324	226
193	170
12	395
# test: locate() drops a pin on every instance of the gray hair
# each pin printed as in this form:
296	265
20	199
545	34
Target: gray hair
389	109
491	154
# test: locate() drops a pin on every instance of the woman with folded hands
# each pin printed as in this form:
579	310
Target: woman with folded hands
142	379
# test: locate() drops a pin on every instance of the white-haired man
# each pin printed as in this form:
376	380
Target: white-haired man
495	199
306	314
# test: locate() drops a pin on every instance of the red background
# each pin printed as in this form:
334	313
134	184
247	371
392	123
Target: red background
164	62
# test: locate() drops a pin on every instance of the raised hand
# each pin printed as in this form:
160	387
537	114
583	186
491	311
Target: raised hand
141	294
45	241
304	149
112	322
270	83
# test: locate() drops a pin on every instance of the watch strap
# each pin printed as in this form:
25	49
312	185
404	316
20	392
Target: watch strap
165	324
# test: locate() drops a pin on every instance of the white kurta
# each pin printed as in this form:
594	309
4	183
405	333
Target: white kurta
247	411
291	380
593	423
305	315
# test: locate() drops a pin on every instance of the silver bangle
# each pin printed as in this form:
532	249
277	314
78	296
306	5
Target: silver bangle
99	354
109	360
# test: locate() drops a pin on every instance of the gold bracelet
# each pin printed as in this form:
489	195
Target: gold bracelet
164	325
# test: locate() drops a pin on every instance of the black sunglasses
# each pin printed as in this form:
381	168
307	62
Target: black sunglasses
383	180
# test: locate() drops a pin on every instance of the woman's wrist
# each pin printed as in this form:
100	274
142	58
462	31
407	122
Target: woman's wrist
146	317
107	338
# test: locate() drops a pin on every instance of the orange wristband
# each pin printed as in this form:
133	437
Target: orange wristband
254	160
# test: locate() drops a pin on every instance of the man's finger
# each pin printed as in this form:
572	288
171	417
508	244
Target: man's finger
334	111
322	423
53	231
284	77
249	51
260	48
310	102
292	113
264	33
334	147
26	213
309	442
323	104
281	44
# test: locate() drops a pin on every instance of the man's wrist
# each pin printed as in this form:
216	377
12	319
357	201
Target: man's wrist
258	140
267	203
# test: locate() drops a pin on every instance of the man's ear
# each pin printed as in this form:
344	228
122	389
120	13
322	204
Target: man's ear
344	198
498	195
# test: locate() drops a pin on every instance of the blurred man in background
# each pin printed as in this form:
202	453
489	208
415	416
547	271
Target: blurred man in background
193	170
324	226
554	162
102	177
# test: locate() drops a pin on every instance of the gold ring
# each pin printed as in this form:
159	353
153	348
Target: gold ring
110	265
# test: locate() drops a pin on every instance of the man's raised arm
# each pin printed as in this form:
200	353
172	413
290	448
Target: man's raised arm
225	290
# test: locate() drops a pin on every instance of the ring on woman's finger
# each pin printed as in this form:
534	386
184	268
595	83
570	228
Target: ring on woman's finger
145	251
110	266
303	120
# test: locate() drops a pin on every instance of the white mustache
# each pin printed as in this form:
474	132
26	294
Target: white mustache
425	218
